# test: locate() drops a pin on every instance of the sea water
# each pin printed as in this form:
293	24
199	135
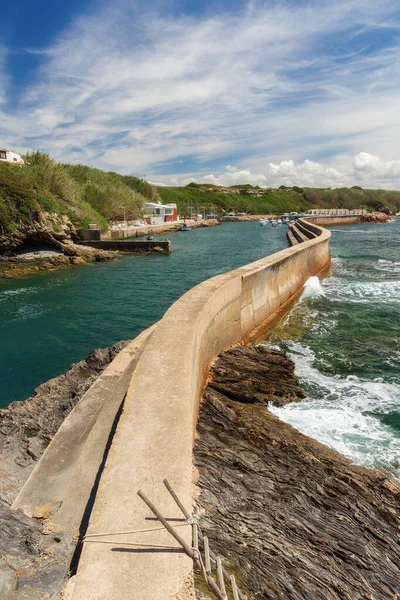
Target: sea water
344	338
50	320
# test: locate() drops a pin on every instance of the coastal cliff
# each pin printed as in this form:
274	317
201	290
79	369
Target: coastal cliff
292	518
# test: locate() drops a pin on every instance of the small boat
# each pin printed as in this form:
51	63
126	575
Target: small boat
279	221
274	223
185	227
262	222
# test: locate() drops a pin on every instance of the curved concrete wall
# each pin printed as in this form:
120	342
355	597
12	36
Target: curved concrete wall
155	433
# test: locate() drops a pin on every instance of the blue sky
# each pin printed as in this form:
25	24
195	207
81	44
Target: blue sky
270	93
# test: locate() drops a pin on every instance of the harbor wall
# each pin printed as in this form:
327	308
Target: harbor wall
130	232
327	221
130	245
154	437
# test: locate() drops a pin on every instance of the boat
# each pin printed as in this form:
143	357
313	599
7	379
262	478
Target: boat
262	222
185	227
279	222
274	223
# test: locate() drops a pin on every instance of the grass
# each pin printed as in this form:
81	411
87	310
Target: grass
85	195
201	198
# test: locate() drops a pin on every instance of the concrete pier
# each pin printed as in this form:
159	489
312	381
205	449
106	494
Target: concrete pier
130	245
154	436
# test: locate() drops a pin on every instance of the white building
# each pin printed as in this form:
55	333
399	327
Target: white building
330	212
157	214
10	156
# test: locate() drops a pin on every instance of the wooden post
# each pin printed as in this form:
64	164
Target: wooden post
167	526
195	539
221	582
234	588
175	497
201	537
182	542
207	554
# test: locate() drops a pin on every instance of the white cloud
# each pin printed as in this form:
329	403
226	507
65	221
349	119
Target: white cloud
132	91
364	169
367	163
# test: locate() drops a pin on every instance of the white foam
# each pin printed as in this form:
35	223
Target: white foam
391	266
312	288
362	291
16	292
338	411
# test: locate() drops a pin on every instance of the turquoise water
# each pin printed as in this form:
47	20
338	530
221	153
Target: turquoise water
50	320
344	337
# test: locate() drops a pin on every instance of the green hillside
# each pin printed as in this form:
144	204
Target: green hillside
203	199
87	195
83	194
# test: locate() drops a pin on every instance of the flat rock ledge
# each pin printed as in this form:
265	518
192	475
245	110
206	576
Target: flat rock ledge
290	517
34	561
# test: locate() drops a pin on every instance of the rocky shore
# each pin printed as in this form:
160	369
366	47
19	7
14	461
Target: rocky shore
36	261
290	517
375	217
33	562
44	245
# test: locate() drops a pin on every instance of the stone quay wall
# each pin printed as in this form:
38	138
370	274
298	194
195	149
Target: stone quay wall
153	438
130	232
327	221
130	245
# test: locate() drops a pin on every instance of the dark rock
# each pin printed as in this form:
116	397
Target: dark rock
256	374
31	568
8	581
293	519
26	428
36	561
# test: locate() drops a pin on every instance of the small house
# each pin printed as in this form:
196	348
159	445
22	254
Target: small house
157	214
10	156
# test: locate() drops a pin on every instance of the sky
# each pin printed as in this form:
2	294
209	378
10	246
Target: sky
269	93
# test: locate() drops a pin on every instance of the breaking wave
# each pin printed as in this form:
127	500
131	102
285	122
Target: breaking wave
347	414
312	288
362	291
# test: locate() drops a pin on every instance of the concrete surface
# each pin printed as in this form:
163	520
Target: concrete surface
328	221
155	433
116	234
64	476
